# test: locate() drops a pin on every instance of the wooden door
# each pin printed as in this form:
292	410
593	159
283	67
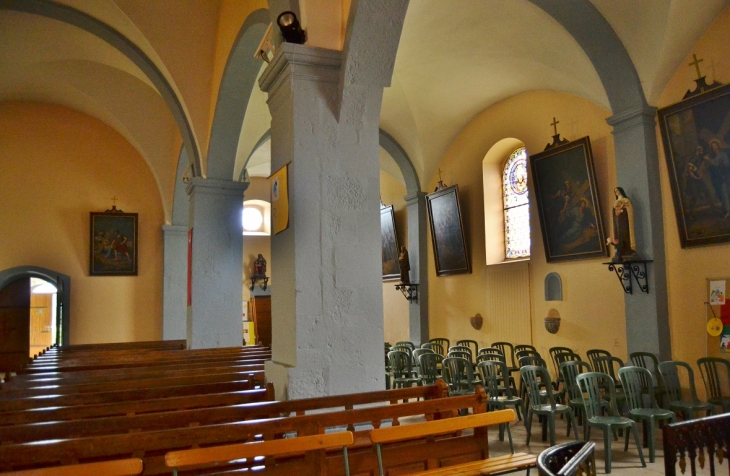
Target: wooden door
14	325
41	320
261	310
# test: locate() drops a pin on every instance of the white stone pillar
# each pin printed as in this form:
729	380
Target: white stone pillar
214	315
637	172
174	286
327	306
417	235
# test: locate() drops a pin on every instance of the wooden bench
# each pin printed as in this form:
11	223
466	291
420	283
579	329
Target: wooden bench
222	454
123	467
151	446
152	344
693	438
433	429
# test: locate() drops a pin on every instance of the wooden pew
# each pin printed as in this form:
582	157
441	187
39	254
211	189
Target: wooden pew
137	407
419	433
122	467
153	344
178	418
152	445
180	460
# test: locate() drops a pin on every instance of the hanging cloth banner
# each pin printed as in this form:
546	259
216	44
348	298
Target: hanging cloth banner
280	199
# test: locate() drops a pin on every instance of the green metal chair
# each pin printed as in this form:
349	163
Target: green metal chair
670	372
569	371
429	367
638	382
558	358
650	362
495	376
535	377
599	393
438	348
716	375
402	368
416	354
459	375
509	354
593	354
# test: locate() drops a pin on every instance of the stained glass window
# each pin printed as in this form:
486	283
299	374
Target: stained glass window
516	206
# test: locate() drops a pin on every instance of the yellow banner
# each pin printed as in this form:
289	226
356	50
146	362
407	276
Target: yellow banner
280	199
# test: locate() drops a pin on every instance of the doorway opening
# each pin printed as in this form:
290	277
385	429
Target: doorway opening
46	328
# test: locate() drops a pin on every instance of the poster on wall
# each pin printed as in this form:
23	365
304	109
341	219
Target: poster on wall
725	340
280	199
717	293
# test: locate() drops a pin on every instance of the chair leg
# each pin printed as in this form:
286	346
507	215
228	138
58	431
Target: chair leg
607	447
651	440
638	445
572	422
528	425
551	426
509	435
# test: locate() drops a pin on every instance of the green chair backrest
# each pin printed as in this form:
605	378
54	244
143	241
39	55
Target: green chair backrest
537	378
646	360
438	348
569	370
428	365
593	354
608	365
553	351
670	373
521	347
400	363
464	354
490	356
508	350
716	375
496	377
459	373
406	343
441	340
637	382
531	360
598	392
471	344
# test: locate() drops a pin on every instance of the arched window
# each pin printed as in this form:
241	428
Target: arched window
516	206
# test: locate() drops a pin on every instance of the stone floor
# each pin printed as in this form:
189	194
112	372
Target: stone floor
623	463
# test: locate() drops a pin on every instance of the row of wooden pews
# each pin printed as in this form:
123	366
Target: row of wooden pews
103	403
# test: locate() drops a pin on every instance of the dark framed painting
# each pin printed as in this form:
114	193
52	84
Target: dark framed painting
567	201
447	232
113	244
391	267
696	137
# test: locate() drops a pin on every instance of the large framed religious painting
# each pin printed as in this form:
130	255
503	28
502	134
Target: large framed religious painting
113	244
391	267
447	232
567	202
696	137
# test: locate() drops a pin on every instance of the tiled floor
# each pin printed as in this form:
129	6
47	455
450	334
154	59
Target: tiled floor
623	463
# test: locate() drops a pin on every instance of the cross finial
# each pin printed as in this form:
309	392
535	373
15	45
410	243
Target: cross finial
555	125
439	174
696	64
114	201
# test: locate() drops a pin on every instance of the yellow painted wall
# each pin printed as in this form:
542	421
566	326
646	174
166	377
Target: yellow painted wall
510	297
395	306
56	166
689	268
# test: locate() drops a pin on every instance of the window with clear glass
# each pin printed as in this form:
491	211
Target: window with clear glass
516	206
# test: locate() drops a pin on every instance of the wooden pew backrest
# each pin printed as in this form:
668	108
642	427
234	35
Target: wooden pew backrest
692	438
122	467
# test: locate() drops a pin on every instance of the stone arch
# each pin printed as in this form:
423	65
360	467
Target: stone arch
239	79
128	48
60	280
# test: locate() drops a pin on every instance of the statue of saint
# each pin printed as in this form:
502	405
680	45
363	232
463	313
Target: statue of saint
405	266
259	266
623	228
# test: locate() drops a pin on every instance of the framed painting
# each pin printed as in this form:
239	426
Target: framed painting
391	267
567	202
447	232
113	244
696	137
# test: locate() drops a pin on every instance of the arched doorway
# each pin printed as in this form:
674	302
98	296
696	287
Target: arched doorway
19	307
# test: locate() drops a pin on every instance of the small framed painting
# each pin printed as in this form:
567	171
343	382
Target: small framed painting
447	232
391	267
113	244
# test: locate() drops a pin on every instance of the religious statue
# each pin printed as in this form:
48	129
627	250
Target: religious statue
405	266
259	266
623	239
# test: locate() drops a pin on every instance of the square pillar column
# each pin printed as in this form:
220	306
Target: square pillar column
327	306
637	171
174	286
416	206
214	315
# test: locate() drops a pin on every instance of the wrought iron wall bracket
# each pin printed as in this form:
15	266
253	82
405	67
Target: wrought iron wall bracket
629	271
410	291
257	279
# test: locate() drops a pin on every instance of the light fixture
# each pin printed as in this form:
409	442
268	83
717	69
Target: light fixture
256	218
290	28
